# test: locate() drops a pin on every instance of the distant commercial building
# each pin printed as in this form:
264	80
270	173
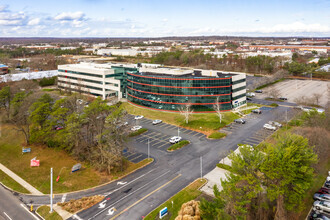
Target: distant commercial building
322	49
157	87
3	69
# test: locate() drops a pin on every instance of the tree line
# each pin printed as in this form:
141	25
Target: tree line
93	133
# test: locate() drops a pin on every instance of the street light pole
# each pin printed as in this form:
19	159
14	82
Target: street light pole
148	149
178	132
201	161
51	189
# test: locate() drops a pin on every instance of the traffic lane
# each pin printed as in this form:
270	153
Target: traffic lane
11	208
128	196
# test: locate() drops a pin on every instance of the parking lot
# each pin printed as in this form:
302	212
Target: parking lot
157	139
294	90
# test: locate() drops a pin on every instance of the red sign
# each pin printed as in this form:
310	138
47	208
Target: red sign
35	163
58	178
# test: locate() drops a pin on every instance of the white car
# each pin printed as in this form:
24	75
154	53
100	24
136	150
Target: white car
135	128
175	139
321	206
250	94
138	117
269	127
157	121
275	123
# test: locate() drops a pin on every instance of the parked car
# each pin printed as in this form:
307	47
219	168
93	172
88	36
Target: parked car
256	111
135	128
321	197
258	91
240	121
274	123
283	98
175	139
157	121
318	216
251	94
138	117
327	184
248	98
321	206
269	127
324	190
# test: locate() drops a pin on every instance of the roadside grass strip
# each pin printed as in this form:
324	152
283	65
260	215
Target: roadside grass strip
178	145
138	132
188	193
217	135
44	212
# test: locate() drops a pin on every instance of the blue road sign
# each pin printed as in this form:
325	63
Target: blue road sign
26	150
163	212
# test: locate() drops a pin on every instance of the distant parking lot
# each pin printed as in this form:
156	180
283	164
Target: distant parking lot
296	89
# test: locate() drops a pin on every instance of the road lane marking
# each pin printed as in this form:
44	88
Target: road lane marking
75	216
29	212
162	145
7	216
63	198
146	196
131	192
131	155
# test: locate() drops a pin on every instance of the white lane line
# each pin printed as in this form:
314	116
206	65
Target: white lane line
7	216
129	194
63	198
29	212
75	216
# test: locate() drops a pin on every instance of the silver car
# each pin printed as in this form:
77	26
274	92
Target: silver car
321	197
157	121
321	206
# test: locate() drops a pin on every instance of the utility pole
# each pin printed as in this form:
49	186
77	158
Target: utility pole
148	148
51	190
201	161
178	132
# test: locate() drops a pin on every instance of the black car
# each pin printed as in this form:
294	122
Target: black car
240	121
283	98
248	98
258	91
327	184
256	111
318	216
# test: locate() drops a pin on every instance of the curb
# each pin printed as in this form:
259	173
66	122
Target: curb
39	214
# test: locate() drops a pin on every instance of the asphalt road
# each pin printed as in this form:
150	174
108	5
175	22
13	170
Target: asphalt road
139	193
11	208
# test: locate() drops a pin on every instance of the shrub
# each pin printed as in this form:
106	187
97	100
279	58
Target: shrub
178	145
225	167
47	81
217	135
274	105
138	132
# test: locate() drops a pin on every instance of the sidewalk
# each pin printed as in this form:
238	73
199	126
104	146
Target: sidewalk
19	180
64	214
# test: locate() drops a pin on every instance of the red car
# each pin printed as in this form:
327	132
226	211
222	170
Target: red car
324	191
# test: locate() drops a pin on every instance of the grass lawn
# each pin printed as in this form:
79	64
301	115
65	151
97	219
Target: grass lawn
11	157
44	212
189	193
217	135
138	132
9	182
178	145
202	122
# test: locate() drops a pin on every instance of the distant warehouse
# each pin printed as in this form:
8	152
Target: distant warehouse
156	87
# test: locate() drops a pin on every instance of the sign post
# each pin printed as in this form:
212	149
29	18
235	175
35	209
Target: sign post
51	190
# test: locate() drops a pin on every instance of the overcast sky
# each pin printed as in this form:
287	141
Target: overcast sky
155	18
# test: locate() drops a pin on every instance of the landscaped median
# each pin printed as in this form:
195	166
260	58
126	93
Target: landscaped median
189	193
138	132
217	135
44	212
178	145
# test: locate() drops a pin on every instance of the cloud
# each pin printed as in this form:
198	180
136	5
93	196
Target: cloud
296	27
3	8
70	16
34	21
10	19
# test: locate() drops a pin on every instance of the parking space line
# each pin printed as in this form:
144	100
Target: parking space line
131	155
140	138
196	134
201	135
163	125
190	131
253	138
162	145
136	157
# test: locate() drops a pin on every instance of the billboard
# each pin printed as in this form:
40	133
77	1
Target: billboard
34	163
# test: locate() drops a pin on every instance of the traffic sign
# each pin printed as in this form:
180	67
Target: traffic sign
76	167
163	212
34	163
26	150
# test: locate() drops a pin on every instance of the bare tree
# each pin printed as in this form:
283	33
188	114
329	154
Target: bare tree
317	97
274	93
217	108
186	111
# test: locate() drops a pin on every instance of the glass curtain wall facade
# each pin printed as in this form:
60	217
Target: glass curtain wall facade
172	92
